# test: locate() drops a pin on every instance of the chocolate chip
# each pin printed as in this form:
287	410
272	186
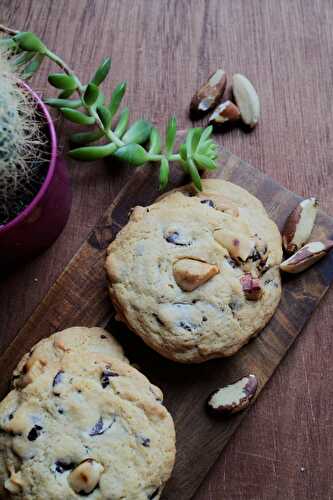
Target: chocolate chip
106	375
232	263
158	319
58	378
154	494
61	467
144	441
210	203
175	238
235	306
157	398
85	494
34	433
100	427
255	255
185	325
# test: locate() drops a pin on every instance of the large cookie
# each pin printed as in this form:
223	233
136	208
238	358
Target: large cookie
196	275
93	426
52	349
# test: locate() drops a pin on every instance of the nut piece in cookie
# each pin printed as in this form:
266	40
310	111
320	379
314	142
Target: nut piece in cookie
234	397
306	256
14	483
209	94
299	225
190	274
251	287
85	477
239	247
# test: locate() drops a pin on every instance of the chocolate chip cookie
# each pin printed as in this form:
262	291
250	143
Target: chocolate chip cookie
88	425
196	275
51	350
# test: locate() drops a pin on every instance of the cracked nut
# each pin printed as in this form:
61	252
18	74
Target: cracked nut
251	287
238	248
227	111
209	95
85	477
246	99
234	397
306	256
190	273
299	225
14	484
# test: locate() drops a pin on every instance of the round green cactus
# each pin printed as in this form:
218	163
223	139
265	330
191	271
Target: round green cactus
22	144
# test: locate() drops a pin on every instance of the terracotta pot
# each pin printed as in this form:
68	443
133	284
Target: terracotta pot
41	222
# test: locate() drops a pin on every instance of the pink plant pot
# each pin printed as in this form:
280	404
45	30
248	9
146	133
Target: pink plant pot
41	222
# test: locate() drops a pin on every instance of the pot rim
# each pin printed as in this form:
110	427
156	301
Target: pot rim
52	137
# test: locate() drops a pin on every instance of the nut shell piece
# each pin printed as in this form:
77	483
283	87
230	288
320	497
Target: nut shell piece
209	94
225	112
299	225
234	397
306	256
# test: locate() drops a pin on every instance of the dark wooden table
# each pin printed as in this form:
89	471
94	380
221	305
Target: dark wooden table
165	49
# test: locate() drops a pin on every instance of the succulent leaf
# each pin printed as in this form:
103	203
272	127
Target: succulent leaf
77	117
102	71
62	81
134	154
138	132
91	153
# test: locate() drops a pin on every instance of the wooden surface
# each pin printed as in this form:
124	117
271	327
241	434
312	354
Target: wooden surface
165	49
80	297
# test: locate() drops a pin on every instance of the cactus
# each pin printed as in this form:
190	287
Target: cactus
22	143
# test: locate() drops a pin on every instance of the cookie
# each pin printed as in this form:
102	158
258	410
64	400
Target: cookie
91	426
196	275
52	349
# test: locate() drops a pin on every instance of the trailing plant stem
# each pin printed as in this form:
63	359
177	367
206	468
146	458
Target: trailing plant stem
7	30
80	90
153	157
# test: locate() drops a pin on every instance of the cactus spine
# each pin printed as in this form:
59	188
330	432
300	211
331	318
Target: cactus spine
22	143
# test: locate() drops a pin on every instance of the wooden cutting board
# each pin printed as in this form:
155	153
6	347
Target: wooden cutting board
79	297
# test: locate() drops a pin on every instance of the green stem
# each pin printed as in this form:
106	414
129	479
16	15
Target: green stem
155	157
175	157
81	89
113	138
8	31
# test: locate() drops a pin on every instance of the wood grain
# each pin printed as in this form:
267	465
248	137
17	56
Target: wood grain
79	297
165	50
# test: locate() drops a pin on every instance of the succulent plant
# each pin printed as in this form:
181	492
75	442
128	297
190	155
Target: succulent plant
22	145
91	108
